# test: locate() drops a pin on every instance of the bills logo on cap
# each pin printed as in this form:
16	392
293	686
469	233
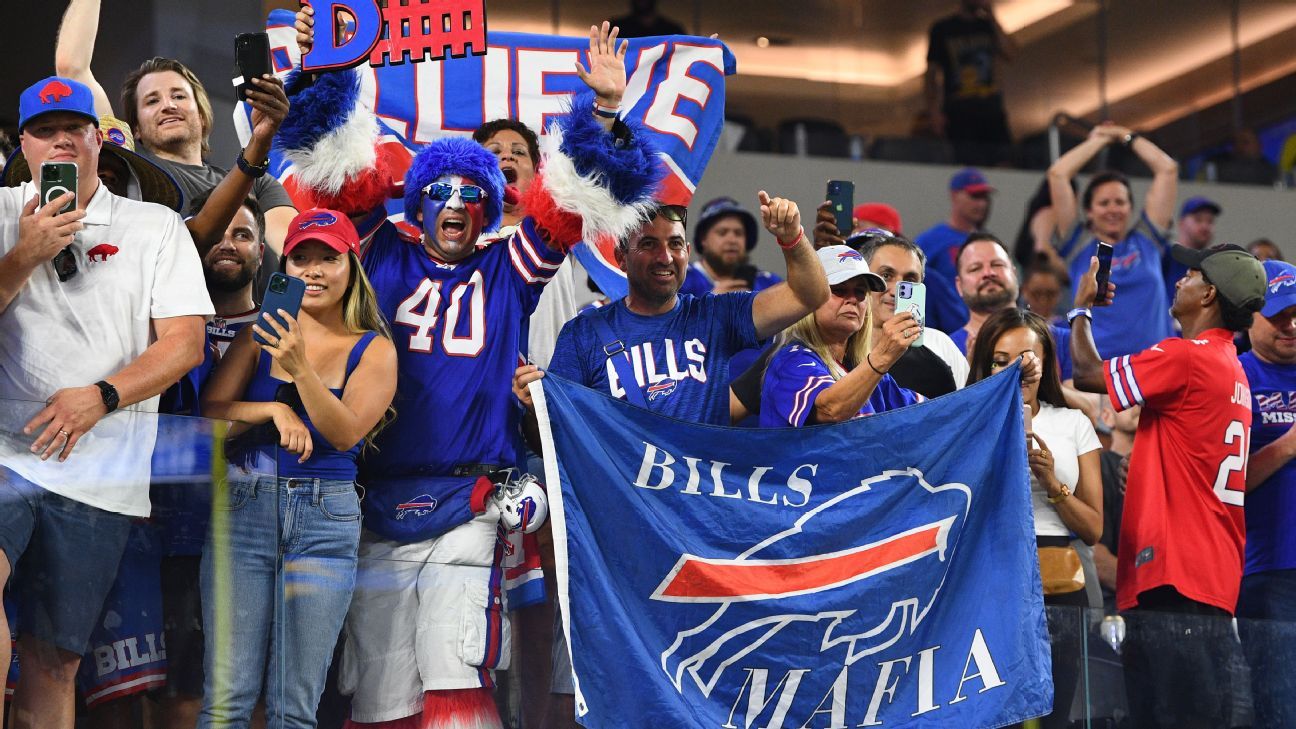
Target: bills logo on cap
117	137
319	219
54	92
1282	280
845	256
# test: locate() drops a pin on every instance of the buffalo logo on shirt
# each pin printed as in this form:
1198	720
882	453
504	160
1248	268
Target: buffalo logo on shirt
1130	260
1275	408
418	506
102	252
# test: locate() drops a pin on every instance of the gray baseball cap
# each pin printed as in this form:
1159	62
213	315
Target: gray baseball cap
1236	274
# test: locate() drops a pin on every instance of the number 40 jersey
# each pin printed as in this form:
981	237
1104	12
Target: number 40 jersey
457	328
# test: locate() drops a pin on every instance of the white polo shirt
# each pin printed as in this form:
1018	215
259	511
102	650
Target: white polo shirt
136	262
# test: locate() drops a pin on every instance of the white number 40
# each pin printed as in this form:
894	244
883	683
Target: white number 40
419	311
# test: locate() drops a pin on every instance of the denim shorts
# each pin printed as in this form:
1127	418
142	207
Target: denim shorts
64	556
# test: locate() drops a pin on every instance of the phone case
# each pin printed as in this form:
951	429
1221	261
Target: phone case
913	297
252	57
1104	271
841	193
58	178
282	292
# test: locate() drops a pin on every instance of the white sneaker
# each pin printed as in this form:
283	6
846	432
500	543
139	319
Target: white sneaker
522	503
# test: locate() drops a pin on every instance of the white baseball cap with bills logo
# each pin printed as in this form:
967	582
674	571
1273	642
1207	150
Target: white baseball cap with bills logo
842	263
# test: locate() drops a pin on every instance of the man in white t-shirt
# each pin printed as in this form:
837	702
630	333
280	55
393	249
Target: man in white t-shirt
101	308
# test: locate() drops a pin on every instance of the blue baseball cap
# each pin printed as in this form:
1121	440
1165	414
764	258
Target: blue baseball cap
1280	287
718	208
970	179
1199	202
56	94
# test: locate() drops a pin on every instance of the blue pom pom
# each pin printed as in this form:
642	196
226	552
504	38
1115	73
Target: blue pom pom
317	109
456	156
629	173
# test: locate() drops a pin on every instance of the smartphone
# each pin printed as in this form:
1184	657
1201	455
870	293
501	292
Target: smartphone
1104	271
58	178
841	193
282	292
252	57
746	273
1026	416
913	297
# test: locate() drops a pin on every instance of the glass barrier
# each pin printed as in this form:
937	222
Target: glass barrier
179	560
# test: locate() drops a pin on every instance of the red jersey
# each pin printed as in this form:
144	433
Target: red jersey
1183	523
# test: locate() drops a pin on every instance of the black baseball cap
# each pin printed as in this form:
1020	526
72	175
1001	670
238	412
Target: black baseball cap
1236	274
716	209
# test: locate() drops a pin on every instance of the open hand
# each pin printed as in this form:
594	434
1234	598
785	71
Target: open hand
606	74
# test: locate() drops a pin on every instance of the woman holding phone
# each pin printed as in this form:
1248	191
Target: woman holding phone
1066	483
1106	214
283	574
824	370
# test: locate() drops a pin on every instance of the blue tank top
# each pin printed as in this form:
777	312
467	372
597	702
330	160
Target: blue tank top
325	461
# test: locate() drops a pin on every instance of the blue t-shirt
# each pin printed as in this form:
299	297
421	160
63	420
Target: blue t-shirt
1140	315
1271	506
698	283
1061	338
680	358
457	328
945	308
796	376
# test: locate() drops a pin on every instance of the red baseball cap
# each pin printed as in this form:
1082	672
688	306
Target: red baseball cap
330	227
880	213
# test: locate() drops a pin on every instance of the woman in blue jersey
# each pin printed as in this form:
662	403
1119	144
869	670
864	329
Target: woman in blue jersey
1066	483
825	370
277	583
1140	317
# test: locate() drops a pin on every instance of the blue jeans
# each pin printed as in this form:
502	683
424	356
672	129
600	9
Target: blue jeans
276	585
1266	615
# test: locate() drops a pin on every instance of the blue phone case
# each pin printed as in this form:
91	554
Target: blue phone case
282	292
913	297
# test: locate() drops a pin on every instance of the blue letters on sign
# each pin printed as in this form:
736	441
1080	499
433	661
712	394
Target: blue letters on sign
328	53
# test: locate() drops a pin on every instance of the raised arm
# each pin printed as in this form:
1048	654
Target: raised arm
1086	363
806	288
1160	201
843	400
1066	167
75	48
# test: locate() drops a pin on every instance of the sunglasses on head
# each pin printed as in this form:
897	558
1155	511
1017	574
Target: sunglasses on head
674	213
65	265
443	191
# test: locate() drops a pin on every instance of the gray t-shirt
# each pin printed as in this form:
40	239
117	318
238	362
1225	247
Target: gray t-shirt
198	180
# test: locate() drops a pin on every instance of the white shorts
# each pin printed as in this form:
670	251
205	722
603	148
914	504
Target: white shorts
427	616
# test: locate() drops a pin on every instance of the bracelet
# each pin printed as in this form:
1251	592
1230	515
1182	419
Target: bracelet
1082	311
797	239
1062	495
868	358
1129	138
607	112
249	169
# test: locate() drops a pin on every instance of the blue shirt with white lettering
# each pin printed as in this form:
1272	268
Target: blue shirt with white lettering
1271	506
680	358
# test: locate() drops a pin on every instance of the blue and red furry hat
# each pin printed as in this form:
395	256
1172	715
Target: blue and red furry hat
456	156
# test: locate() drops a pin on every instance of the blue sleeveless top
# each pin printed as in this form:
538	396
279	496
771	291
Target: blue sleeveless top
325	461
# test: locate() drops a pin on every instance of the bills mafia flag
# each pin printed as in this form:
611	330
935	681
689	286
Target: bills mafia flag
878	572
675	86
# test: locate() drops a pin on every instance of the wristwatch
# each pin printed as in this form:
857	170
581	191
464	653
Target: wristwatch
109	394
1061	495
1082	311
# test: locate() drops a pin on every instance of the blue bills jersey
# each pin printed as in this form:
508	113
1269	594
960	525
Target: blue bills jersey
458	329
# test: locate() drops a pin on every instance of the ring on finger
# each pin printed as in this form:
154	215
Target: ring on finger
64	433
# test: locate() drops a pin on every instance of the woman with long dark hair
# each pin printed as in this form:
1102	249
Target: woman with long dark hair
325	381
1066	484
1139	317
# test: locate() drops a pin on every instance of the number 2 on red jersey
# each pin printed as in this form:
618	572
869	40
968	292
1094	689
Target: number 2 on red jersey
1236	434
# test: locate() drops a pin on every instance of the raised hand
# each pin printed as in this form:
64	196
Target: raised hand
269	104
606	74
43	231
780	216
304	23
825	228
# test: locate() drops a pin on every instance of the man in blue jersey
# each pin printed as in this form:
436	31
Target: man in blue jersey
427	624
675	349
1266	607
969	194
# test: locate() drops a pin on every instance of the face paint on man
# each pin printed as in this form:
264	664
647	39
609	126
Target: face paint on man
451	227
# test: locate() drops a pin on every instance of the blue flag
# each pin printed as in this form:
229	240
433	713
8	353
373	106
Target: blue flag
878	572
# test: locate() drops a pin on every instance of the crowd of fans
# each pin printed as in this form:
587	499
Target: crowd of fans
137	292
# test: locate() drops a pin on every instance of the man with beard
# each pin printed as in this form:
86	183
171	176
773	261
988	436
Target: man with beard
969	194
987	282
725	235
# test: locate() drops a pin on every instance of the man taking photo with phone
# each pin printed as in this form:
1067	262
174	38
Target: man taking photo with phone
116	324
